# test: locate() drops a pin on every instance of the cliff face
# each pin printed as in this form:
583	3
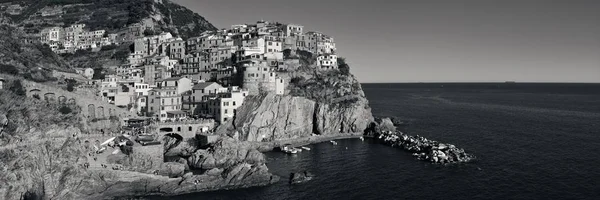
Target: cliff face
319	102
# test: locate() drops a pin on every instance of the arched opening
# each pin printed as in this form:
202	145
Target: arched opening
166	129
92	111
100	112
62	100
49	97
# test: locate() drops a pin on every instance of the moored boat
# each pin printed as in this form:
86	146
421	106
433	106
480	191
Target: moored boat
305	148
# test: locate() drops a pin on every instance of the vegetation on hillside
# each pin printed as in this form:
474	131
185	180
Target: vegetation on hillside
25	114
34	61
331	86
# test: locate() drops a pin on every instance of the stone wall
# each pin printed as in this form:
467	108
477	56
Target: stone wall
92	107
187	129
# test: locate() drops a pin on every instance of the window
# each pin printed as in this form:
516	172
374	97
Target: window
178	129
225	119
162	108
225	111
151	108
233	103
190	128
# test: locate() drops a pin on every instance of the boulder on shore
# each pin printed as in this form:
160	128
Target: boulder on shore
300	177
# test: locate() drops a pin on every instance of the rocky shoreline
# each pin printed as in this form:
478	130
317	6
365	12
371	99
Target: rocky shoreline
384	131
425	149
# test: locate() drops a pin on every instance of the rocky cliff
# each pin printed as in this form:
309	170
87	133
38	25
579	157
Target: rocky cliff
54	169
318	102
43	155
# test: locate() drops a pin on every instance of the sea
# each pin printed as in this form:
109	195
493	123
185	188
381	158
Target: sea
532	141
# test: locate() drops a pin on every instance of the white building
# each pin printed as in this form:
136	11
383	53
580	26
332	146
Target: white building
279	86
223	106
327	61
180	84
293	29
164	103
199	91
52	34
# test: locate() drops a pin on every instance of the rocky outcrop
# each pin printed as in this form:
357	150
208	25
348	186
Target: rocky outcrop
425	149
279	117
225	154
54	169
172	169
300	177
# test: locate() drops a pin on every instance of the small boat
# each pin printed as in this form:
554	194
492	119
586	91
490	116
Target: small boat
298	149
333	142
362	138
305	148
292	151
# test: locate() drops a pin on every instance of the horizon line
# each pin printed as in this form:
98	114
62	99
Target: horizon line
480	82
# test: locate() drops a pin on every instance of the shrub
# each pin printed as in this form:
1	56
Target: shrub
297	80
65	110
149	32
124	88
108	47
98	74
17	88
8	69
287	53
70	86
343	66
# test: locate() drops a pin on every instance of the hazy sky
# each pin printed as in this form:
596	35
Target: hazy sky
444	40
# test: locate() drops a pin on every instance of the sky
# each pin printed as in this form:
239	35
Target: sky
443	40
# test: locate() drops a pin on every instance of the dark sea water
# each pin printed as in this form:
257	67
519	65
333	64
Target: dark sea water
533	141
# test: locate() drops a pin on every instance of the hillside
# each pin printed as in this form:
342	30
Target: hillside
126	18
31	60
111	15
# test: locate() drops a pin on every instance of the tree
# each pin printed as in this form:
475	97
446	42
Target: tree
8	69
149	32
343	66
287	53
70	86
17	88
65	110
98	74
124	88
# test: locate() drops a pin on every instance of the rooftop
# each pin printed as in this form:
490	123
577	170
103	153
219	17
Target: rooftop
200	86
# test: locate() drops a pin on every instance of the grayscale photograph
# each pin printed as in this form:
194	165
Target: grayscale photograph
299	100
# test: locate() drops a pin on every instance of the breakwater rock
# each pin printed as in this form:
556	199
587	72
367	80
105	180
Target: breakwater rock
300	177
425	149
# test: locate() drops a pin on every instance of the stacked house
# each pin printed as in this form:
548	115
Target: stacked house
208	76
